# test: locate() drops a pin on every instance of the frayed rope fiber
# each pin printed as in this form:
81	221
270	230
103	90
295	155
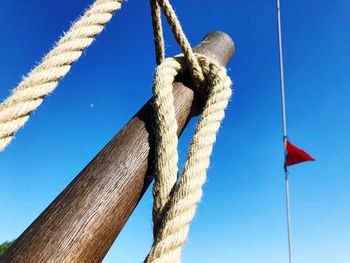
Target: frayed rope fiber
44	78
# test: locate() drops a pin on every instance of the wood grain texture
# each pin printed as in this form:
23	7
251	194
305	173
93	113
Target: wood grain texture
81	224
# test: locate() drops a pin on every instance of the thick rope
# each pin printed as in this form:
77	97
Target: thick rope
175	200
175	203
194	67
157	31
43	79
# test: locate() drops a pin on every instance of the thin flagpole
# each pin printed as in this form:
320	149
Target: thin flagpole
284	123
288	218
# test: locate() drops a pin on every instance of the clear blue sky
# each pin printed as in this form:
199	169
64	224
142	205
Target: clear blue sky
242	215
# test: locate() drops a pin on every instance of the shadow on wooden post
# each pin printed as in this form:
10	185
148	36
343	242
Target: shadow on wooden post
81	224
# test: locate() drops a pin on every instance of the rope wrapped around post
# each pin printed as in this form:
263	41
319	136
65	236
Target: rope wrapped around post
82	223
175	200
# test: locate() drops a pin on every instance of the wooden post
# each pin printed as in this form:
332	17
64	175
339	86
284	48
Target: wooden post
81	224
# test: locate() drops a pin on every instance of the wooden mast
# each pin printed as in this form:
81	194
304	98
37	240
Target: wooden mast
81	224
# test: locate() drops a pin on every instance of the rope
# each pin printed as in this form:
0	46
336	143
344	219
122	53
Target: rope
175	200
157	31
195	69
175	203
44	78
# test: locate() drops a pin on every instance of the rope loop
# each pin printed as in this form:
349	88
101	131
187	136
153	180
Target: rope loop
176	199
203	88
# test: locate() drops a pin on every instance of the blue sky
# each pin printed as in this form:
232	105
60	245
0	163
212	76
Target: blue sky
242	215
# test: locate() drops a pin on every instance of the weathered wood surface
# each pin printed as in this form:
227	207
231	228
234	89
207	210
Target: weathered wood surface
81	224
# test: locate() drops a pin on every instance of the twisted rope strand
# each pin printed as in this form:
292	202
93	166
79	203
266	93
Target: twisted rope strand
157	31
165	138
156	5
196	70
44	78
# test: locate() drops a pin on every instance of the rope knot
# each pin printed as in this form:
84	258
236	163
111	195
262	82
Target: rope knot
211	73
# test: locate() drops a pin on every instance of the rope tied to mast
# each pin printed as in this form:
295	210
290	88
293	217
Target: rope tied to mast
175	200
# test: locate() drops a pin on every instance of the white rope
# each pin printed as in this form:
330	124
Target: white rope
175	200
175	203
193	65
44	78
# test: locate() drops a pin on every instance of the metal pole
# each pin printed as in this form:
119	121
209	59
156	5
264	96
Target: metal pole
284	118
288	218
284	123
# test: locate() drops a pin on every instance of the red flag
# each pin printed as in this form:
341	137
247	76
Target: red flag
296	155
